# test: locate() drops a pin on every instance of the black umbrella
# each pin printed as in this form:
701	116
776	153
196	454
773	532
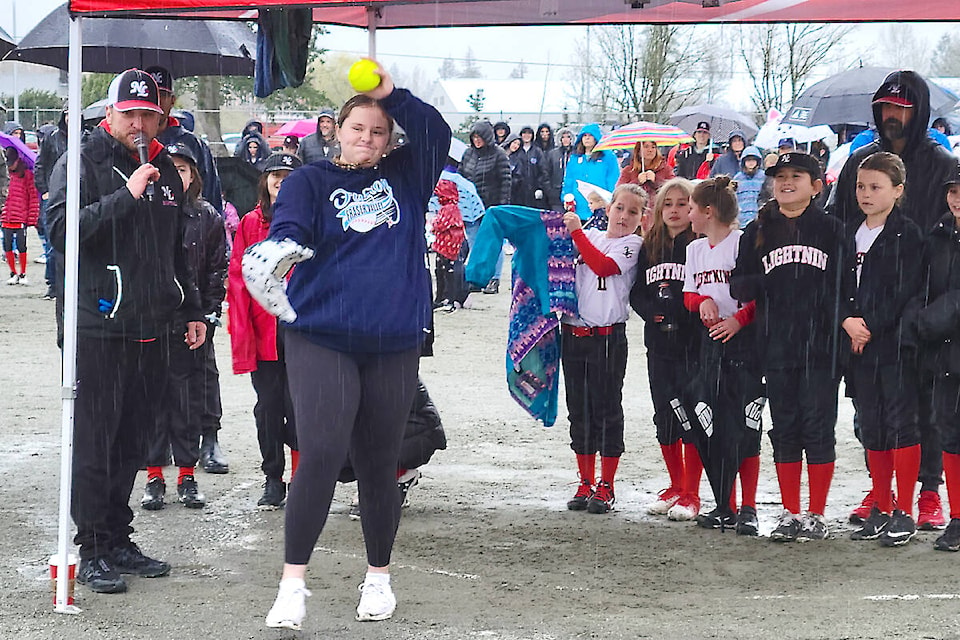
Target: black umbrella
238	180
722	120
110	45
718	417
846	98
6	43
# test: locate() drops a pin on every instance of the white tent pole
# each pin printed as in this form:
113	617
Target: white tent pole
372	32
68	389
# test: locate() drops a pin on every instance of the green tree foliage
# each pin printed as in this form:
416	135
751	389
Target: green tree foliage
94	87
36	107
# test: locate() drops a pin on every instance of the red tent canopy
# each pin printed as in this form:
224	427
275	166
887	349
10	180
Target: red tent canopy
451	13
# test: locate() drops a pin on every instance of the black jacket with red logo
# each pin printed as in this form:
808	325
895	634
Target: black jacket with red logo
133	271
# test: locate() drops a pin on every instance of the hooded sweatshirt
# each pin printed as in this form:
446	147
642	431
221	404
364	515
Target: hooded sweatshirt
53	146
367	288
928	163
488	167
748	186
599	169
547	145
729	163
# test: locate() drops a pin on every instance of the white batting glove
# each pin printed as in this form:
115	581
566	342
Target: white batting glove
265	266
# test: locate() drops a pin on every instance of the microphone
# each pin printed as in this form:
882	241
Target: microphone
144	159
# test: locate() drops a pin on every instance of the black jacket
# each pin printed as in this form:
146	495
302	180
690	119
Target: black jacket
890	278
556	165
928	163
938	321
528	175
487	167
205	243
52	147
649	300
689	160
792	268
212	190
133	269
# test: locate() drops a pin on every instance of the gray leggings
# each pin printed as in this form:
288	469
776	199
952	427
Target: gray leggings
347	403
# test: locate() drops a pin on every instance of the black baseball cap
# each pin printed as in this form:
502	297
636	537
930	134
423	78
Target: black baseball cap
896	93
291	140
327	112
797	160
134	89
702	126
163	77
278	161
953	177
182	150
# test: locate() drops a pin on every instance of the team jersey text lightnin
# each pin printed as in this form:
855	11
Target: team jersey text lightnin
794	254
665	271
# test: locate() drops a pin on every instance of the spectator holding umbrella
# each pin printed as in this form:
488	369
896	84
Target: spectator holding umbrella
649	169
691	157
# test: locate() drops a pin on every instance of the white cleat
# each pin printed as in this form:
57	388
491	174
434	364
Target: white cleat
289	608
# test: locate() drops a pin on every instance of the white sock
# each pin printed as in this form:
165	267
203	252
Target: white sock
292	584
382	578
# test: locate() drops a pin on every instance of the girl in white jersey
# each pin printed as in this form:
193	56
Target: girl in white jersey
594	344
724	402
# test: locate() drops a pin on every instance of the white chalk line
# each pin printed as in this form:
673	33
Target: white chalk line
439	572
874	598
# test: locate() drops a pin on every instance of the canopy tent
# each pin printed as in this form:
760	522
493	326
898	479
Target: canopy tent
386	14
389	14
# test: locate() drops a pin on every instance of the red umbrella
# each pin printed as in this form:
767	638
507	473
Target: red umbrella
299	128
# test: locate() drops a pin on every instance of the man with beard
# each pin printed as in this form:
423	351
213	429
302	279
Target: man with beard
901	109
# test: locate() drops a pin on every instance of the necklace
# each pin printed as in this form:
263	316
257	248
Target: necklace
349	166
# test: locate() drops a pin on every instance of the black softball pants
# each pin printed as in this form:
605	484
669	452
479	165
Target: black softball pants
347	404
119	391
803	408
273	413
593	371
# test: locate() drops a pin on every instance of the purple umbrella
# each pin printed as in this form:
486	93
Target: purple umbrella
26	153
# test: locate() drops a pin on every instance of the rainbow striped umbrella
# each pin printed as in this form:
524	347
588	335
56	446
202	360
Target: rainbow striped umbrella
628	135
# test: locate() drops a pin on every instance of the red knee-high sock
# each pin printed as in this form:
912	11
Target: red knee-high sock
587	466
23	263
881	475
154	472
951	470
673	457
184	472
11	261
692	470
819	476
788	476
906	464
608	468
294	462
749	478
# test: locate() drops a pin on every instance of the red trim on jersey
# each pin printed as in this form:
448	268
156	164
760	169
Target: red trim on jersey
746	314
692	301
600	263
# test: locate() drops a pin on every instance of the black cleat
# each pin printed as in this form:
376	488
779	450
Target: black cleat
274	493
153	495
580	499
950	539
747	523
100	576
602	499
189	494
720	518
900	531
873	527
127	558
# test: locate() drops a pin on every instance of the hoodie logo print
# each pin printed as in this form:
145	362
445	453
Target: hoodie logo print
370	208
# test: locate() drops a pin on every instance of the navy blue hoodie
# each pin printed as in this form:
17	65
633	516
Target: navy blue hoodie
367	289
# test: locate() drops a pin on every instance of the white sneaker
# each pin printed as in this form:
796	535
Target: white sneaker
377	601
289	608
41	259
14	279
23	280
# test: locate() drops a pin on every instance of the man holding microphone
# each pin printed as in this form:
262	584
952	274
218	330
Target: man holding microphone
133	277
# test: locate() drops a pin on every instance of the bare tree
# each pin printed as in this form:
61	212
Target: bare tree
519	71
448	69
781	58
946	56
642	72
470	67
900	46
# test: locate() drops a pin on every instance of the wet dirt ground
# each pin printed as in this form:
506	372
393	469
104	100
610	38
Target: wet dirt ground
486	549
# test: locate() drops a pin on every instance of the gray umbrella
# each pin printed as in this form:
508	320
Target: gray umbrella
847	97
111	45
722	120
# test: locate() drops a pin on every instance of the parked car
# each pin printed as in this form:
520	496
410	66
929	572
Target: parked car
32	141
230	141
